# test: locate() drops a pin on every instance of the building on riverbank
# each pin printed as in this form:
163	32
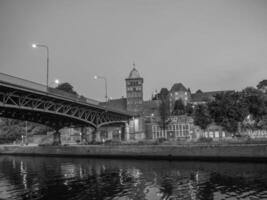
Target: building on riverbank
178	128
146	123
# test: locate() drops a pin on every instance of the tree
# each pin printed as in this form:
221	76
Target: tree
189	110
164	93
67	87
179	107
262	85
202	117
83	98
255	101
164	108
262	124
256	105
228	110
12	129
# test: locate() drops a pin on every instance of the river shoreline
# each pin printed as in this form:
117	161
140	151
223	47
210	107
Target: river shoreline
255	153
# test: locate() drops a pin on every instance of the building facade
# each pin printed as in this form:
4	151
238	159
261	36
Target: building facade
134	91
178	91
178	128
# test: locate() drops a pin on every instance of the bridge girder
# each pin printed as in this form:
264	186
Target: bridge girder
53	112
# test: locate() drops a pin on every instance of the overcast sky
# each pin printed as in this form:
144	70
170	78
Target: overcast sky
207	45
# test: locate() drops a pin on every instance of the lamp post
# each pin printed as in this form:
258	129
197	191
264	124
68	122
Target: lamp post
47	60
26	133
106	85
106	91
56	81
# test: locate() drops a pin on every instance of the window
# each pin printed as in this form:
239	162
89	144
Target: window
216	134
223	134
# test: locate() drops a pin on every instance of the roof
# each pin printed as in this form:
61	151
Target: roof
134	74
178	87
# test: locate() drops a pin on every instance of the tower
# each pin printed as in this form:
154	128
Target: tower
134	91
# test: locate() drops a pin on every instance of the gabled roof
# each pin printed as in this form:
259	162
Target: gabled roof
178	87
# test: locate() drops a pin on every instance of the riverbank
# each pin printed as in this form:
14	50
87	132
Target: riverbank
201	152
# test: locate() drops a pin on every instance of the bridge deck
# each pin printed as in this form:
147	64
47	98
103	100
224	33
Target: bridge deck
39	89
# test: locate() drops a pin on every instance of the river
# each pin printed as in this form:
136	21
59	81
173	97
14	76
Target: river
85	178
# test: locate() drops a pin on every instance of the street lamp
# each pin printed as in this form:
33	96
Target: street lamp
47	60
106	85
56	81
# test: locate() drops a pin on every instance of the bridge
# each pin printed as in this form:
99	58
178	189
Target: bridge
26	100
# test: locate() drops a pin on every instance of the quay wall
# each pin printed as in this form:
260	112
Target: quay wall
204	152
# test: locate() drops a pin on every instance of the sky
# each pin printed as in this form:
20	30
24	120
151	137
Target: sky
208	45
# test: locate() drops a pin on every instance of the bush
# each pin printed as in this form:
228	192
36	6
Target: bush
161	140
95	142
205	140
45	144
112	142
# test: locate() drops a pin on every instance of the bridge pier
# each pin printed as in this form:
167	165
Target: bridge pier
56	138
84	137
125	132
94	135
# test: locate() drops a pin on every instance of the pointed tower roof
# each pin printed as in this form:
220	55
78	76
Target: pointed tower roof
134	74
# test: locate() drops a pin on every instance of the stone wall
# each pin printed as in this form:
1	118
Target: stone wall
194	152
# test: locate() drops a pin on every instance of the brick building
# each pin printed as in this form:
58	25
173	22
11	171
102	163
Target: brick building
146	123
134	91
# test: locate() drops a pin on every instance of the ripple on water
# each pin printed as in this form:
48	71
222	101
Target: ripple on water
66	178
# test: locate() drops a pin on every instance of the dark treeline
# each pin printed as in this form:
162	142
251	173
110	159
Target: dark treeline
246	109
232	110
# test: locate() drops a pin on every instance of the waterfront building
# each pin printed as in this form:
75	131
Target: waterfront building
146	123
178	128
213	131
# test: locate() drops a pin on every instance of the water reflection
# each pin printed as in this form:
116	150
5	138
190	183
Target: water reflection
67	178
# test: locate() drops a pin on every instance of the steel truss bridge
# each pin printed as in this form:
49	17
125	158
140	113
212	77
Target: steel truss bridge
25	100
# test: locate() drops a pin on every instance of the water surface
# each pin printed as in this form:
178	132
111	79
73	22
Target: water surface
84	178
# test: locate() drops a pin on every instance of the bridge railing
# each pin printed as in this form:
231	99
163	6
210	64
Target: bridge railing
42	88
78	98
22	82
